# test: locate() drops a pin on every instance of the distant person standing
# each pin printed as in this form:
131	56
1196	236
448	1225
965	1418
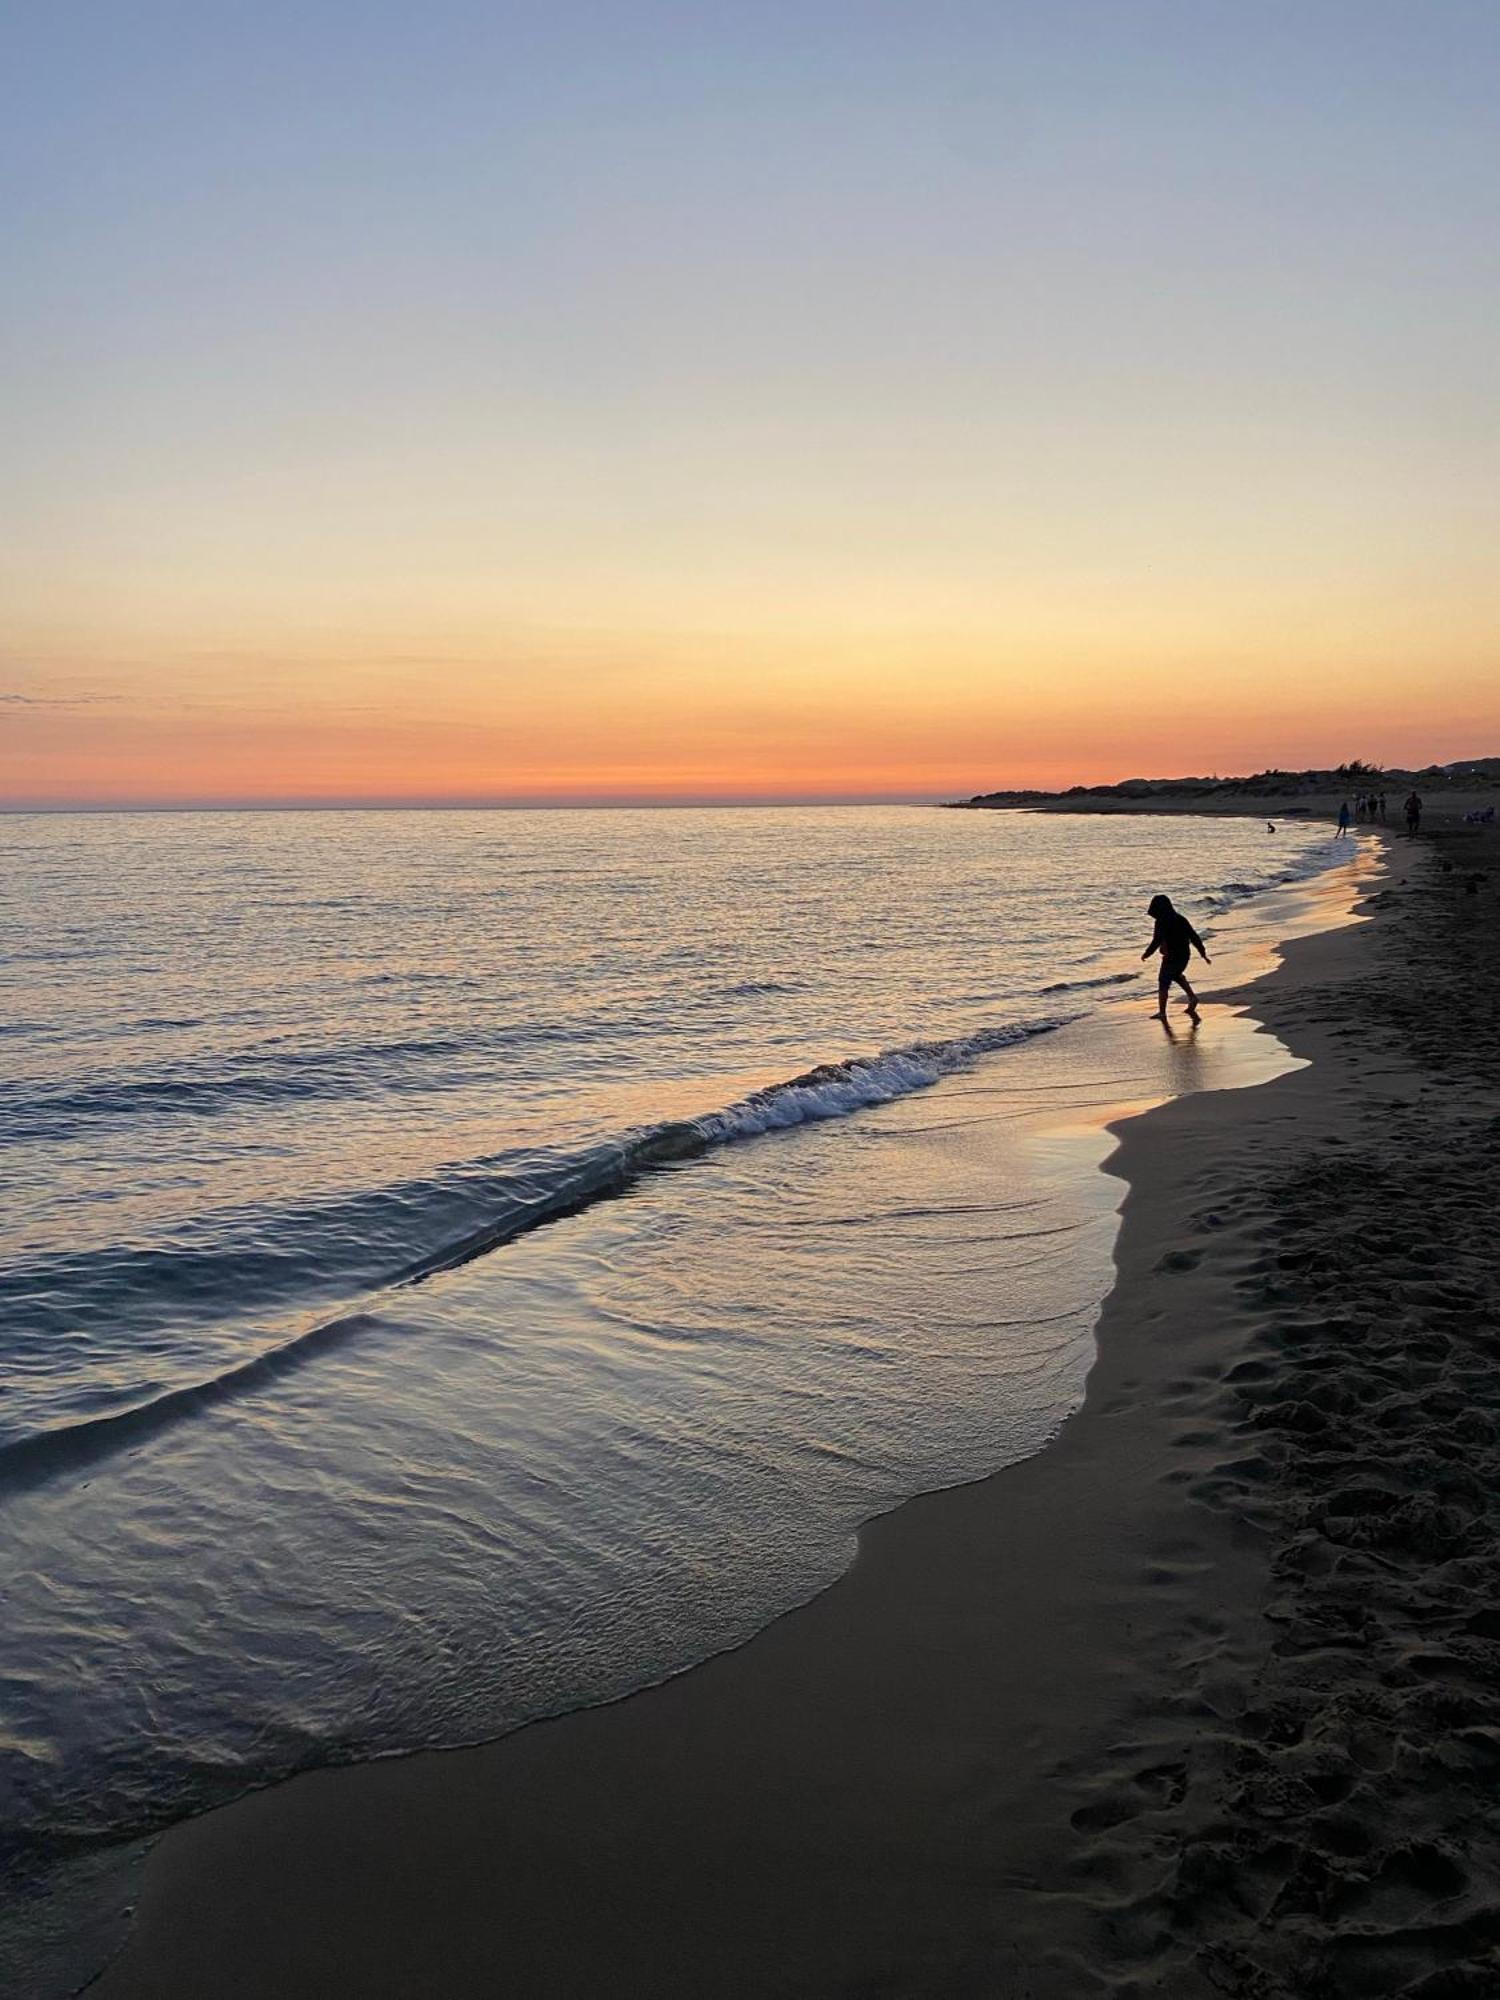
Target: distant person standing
1343	819
1413	812
1381	803
1176	940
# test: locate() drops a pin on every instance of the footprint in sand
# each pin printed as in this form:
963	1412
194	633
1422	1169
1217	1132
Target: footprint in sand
1180	1260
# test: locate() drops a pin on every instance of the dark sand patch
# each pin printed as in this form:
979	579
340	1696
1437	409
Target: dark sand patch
1337	1831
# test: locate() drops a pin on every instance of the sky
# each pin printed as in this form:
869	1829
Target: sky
549	403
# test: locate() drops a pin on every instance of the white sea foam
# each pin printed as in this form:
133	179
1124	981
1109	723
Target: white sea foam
833	1090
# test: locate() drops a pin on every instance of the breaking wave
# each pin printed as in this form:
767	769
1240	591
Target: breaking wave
1085	985
524	1202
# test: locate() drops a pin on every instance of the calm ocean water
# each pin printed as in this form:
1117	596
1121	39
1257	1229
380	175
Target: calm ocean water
313	1444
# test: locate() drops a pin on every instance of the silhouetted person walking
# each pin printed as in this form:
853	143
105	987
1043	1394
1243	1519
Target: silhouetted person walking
1343	819
1413	812
1176	940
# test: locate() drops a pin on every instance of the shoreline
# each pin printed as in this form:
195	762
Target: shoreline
781	1768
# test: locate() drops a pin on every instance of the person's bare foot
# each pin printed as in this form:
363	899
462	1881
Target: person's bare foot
1160	1014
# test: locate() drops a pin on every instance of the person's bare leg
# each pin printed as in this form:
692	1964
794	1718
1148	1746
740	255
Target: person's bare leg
1192	998
1163	988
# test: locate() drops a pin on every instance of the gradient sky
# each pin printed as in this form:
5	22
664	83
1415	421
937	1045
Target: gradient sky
485	401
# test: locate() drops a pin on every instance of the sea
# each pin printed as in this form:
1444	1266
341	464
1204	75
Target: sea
461	1266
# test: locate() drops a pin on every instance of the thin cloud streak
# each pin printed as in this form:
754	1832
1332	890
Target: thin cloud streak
56	700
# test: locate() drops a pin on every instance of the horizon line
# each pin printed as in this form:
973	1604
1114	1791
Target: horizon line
622	803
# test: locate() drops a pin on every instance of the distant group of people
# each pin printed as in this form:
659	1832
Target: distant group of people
1371	806
1367	806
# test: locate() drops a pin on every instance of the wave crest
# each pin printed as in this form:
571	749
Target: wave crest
524	1203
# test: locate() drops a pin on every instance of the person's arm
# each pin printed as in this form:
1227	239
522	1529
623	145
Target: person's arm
1155	944
1197	941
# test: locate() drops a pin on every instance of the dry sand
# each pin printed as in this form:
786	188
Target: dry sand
1204	1699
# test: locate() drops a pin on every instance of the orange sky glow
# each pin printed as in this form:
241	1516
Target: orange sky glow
757	713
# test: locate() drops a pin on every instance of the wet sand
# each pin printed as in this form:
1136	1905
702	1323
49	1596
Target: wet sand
1203	1699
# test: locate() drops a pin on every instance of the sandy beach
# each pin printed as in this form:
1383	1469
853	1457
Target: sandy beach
1202	1699
749	1065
